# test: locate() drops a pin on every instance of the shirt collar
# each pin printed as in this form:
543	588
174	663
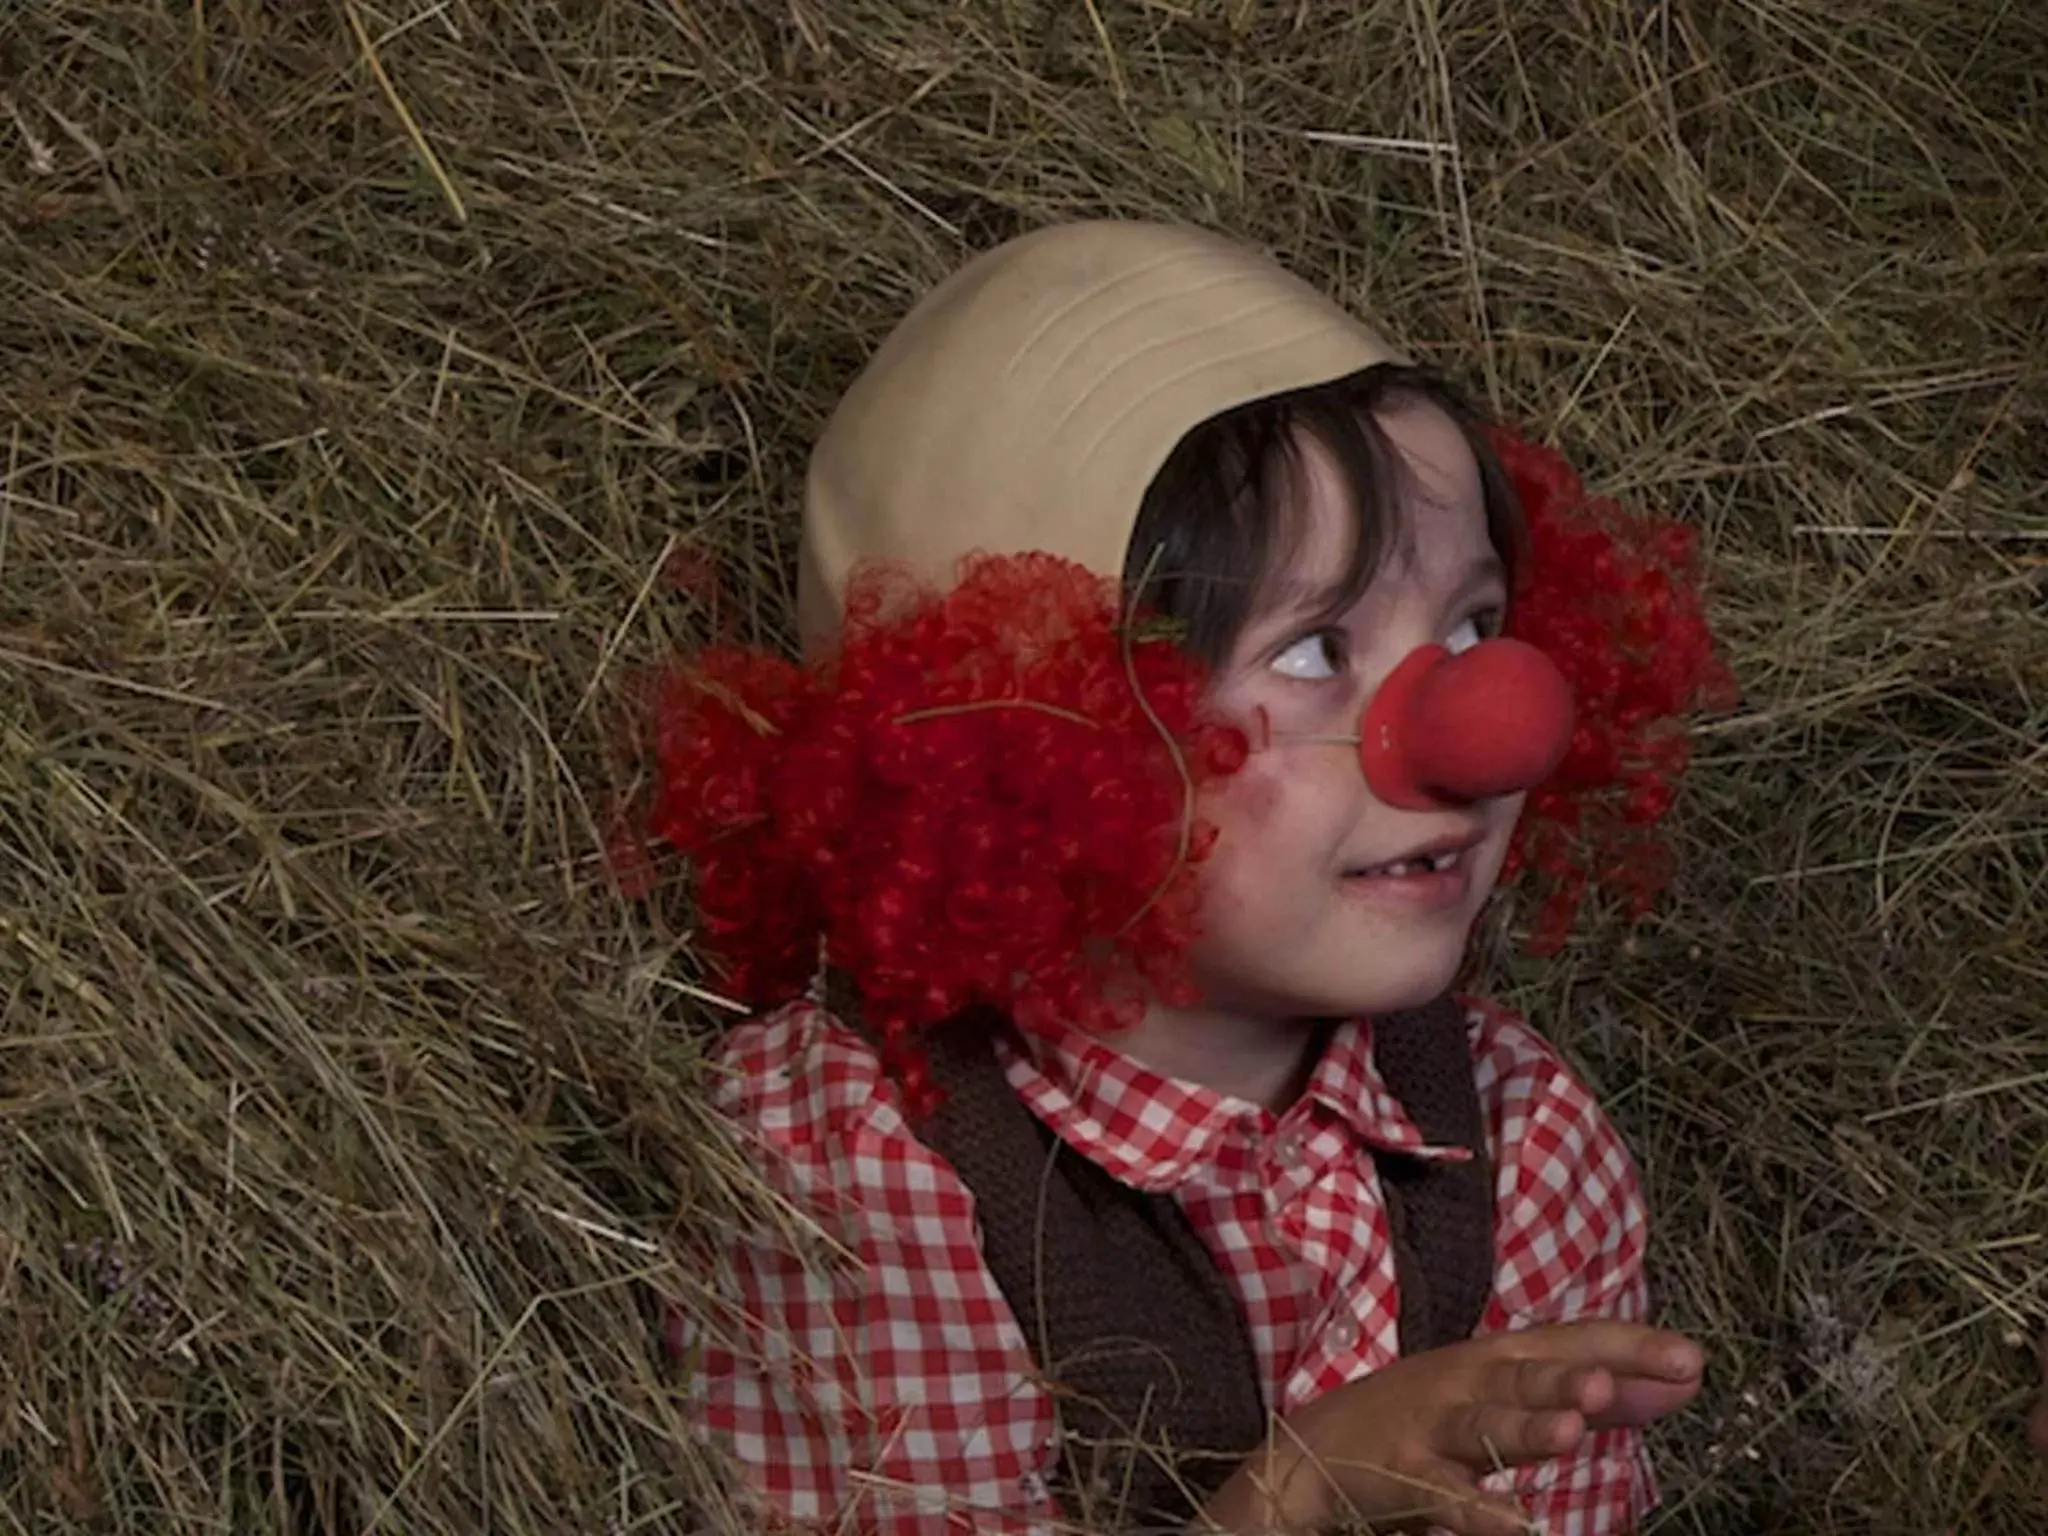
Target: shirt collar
1155	1133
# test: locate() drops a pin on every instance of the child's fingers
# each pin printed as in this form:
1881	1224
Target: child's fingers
1626	1349
1535	1383
1638	1402
1490	1435
1473	1514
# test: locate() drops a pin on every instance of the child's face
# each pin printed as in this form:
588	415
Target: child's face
1302	914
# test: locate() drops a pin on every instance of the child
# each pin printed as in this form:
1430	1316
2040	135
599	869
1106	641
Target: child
1133	1161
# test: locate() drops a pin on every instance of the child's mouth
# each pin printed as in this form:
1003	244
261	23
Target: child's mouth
1420	864
1425	879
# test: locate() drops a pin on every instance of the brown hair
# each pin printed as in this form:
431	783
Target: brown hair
1224	511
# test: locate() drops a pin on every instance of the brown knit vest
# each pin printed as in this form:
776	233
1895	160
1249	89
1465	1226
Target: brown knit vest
1130	1322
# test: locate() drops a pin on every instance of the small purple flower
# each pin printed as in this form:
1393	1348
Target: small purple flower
102	1267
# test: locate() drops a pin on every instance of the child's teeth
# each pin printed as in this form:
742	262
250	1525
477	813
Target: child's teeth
1400	868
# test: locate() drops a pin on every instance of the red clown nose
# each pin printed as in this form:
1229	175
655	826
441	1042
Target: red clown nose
1448	730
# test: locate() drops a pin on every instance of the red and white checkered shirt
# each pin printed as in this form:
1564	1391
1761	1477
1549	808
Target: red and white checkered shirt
861	1365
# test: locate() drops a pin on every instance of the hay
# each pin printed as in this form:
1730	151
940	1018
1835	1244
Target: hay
363	370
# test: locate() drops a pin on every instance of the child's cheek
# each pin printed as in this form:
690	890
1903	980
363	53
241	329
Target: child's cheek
1250	798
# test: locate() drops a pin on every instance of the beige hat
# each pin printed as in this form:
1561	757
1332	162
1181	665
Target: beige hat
1028	401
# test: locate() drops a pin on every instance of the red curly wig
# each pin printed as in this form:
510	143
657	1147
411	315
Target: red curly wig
988	794
1613	598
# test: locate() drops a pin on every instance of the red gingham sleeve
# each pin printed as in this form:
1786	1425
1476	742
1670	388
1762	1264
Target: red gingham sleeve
857	1360
1569	1230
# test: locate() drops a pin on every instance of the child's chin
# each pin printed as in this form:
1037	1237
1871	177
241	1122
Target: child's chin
1355	980
1412	985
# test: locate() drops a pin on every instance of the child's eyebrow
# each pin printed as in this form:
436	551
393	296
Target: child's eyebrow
1293	597
1487	570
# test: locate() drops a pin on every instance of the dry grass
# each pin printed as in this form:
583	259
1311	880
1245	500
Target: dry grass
362	367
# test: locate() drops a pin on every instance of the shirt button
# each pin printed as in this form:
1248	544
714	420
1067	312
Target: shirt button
1343	1333
1290	1149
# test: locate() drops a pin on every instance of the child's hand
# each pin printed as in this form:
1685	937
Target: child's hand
1405	1447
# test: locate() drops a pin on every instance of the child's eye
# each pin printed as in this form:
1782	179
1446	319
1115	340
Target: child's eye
1313	658
1480	626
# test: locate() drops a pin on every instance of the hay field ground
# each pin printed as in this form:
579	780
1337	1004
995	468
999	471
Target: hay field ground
370	372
